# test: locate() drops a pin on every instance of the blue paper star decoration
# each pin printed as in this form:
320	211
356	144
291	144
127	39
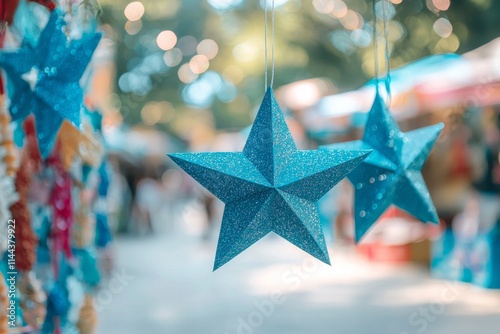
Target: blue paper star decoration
271	186
391	174
45	79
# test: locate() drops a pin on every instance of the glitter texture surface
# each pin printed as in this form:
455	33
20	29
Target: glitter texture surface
271	186
391	174
44	80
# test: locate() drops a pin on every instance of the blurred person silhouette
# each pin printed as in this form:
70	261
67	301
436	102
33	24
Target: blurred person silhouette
488	185
209	202
149	200
174	194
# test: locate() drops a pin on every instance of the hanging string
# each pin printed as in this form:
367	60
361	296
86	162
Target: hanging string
265	46
387	54
375	46
272	47
387	78
266	53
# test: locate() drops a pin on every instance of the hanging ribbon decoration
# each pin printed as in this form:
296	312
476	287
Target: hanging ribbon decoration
75	142
6	141
61	203
7	11
84	224
58	305
103	232
26	240
8	195
32	300
62	221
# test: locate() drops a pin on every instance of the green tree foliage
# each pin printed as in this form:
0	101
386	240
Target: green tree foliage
312	39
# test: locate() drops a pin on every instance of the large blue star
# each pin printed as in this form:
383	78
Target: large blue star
391	174
45	79
271	186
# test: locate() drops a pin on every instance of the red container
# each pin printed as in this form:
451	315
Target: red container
379	252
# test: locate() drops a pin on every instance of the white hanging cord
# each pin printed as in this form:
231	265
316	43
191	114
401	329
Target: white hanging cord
265	46
272	47
375	45
387	54
266	53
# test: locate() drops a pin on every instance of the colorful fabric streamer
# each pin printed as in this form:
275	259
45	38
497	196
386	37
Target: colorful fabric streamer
26	239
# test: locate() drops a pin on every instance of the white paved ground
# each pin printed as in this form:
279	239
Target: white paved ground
273	288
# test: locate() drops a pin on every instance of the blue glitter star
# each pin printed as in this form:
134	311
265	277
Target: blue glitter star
271	186
391	174
45	79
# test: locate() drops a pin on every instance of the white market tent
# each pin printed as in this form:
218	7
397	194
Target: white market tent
427	85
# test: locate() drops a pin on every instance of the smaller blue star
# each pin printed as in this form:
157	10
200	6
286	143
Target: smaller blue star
392	172
44	80
271	186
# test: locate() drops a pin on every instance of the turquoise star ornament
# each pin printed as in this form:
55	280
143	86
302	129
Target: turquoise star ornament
44	80
392	172
271	186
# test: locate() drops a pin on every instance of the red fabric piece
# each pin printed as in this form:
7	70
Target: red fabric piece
62	205
7	10
27	241
47	3
32	143
460	155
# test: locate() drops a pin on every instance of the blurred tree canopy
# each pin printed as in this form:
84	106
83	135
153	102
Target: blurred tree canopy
313	38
